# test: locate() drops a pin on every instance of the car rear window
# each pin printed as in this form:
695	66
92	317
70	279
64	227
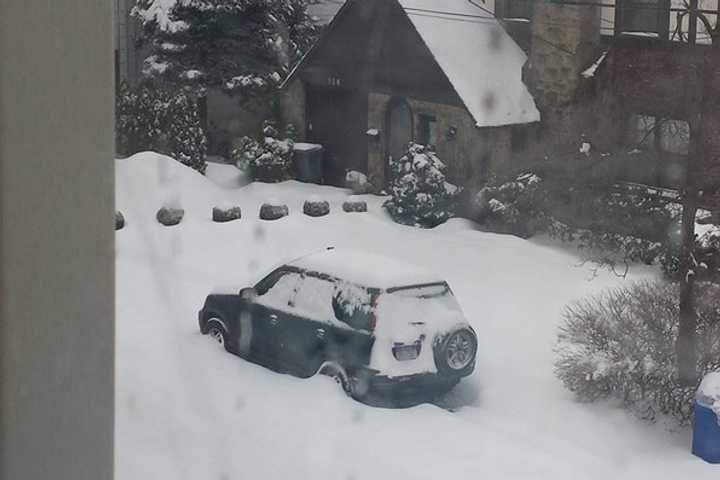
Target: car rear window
440	292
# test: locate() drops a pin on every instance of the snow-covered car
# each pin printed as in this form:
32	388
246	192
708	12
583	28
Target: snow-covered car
371	322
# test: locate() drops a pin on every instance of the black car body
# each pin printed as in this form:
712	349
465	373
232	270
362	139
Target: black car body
371	322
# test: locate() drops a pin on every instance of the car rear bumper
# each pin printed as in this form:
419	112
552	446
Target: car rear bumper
420	383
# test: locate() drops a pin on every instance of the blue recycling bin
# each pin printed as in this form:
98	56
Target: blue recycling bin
706	428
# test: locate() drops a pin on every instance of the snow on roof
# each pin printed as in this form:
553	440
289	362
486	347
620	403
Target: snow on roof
366	269
480	59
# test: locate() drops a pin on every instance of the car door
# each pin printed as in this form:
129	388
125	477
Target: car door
270	313
353	308
309	325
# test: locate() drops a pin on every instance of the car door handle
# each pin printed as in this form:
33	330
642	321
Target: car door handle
273	320
320	332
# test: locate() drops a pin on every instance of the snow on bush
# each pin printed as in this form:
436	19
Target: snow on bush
621	345
510	207
609	223
419	193
150	117
354	204
316	207
170	216
269	159
273	210
226	214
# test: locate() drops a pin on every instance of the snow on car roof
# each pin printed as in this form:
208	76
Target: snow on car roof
366	269
480	59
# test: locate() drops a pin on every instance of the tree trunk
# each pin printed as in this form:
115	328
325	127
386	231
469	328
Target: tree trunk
703	159
686	345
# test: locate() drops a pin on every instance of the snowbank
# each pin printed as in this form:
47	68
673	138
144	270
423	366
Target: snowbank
187	409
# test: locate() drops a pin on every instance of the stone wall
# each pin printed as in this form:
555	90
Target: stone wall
469	155
565	41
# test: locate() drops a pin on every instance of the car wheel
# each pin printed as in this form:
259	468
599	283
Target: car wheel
337	373
217	332
456	353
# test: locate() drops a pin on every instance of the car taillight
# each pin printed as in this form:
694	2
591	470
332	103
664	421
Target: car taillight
374	311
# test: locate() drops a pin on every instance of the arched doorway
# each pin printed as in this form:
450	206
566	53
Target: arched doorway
399	126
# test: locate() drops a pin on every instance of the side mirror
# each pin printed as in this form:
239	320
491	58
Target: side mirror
248	294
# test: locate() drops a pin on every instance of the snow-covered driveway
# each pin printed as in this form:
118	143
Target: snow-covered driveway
188	410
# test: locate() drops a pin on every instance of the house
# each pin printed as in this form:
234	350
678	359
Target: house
224	119
128	55
617	74
387	72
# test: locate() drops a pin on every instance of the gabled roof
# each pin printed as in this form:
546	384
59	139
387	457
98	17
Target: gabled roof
480	60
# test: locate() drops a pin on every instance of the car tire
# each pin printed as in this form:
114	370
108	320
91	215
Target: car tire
455	354
216	330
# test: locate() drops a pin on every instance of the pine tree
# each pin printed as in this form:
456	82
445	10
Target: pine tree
150	117
243	47
420	195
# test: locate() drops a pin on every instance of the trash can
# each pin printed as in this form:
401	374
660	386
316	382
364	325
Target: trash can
706	424
308	162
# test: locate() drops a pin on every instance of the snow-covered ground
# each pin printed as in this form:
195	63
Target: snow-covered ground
188	410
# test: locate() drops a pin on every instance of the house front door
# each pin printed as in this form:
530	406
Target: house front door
337	120
399	131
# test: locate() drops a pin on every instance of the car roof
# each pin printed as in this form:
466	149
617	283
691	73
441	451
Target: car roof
366	269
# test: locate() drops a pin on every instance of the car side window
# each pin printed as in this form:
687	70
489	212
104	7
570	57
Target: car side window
281	294
314	298
353	305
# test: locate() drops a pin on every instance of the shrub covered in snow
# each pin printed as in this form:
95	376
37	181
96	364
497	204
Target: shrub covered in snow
511	207
706	255
621	345
419	193
151	117
354	204
316	207
273	210
268	159
170	216
226	214
119	220
609	222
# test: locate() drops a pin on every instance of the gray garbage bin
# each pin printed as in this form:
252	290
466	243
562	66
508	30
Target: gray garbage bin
308	159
